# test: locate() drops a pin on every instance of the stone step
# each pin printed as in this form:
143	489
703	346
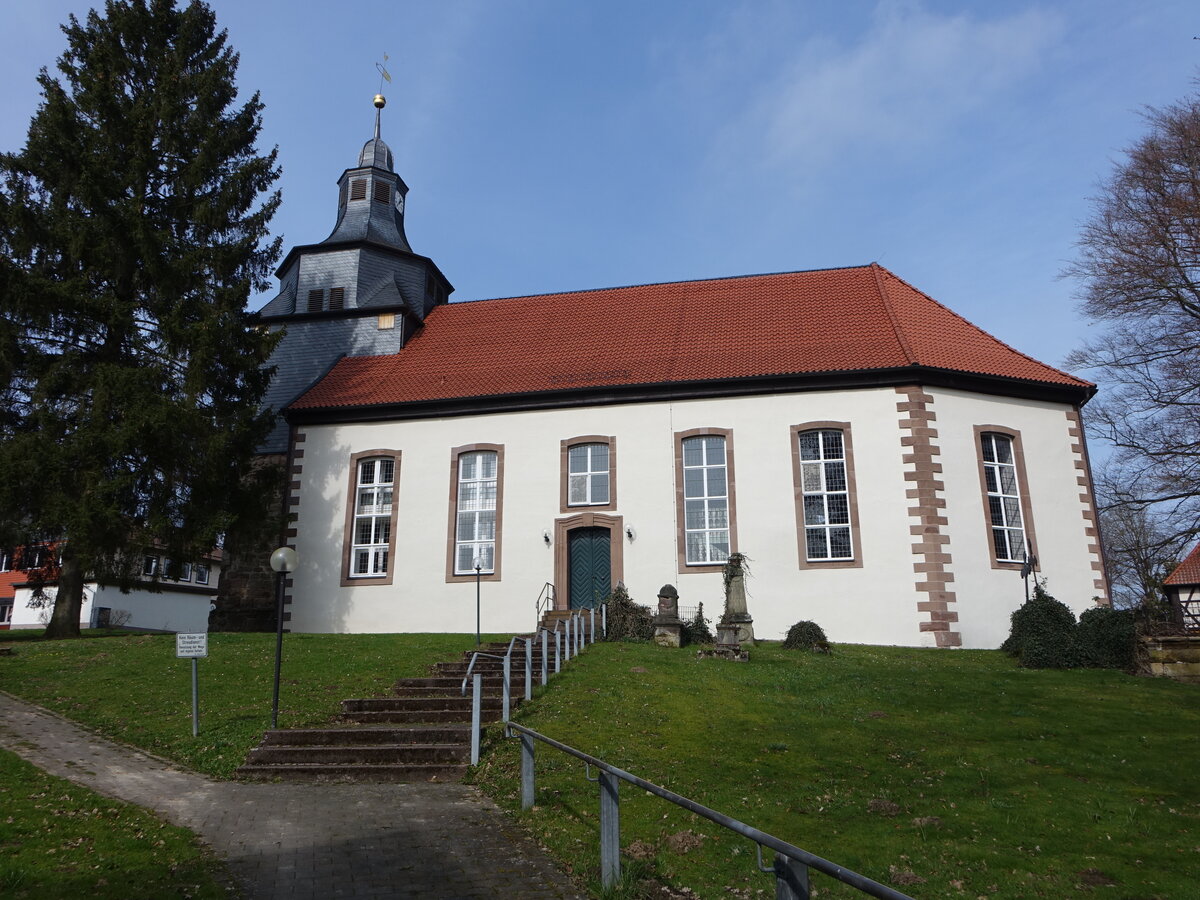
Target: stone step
354	773
415	704
381	754
367	736
420	716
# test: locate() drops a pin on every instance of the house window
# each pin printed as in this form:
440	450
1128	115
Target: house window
5	560
587	475
201	573
704	489
149	566
476	511
372	529
185	572
826	508
826	498
1002	482
475	531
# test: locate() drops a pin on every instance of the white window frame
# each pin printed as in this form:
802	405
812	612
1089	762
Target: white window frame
589	475
371	525
477	494
150	566
819	501
202	573
1002	493
702	542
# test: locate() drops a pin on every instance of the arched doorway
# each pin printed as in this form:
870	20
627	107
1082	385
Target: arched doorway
589	567
588	558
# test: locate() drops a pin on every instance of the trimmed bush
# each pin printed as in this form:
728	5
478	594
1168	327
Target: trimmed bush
1107	638
805	636
696	631
1043	633
627	621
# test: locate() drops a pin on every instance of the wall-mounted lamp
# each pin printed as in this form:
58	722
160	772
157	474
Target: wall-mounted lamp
546	536
630	533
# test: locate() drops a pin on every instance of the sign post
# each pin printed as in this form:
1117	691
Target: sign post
193	647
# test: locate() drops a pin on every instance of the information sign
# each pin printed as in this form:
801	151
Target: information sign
191	646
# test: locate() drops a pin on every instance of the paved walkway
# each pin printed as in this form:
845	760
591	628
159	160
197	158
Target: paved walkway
301	841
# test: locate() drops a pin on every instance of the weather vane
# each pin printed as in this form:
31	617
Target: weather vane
384	75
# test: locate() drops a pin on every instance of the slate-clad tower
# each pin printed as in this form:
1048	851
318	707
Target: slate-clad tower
360	292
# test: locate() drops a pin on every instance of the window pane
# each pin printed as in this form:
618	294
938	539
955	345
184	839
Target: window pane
989	477
577	489
600	488
1008	480
387	471
466	526
693	482
466	553
833	444
383	530
716	481
814	510
1003	449
693	452
996	506
577	458
715	450
467	466
1000	541
485	528
599	457
694	514
1016	545
810	445
839	509
811	476
487	464
366	472
362	562
835	476
362	531
814	540
718	546
989	454
1012	512
718	514
839	543
381	562
384	499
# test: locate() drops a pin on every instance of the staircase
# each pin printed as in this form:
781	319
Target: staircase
421	733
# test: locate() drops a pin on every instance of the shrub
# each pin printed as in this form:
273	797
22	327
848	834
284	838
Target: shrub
627	621
1043	633
1107	638
805	636
696	630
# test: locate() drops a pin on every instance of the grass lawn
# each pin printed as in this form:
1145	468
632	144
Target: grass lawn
943	773
132	688
61	840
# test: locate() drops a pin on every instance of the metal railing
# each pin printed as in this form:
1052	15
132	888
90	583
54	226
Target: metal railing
791	863
574	633
545	601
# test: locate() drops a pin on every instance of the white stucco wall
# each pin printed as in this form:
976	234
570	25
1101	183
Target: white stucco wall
876	603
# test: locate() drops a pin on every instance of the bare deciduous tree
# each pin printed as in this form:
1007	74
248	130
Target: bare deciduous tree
1139	263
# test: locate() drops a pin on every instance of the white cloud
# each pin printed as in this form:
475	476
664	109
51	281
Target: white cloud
908	79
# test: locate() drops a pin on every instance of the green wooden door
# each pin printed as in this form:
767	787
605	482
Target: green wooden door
589	563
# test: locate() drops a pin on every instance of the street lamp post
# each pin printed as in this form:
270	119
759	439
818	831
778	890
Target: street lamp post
478	563
283	561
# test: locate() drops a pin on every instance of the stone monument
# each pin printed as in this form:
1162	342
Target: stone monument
667	624
736	613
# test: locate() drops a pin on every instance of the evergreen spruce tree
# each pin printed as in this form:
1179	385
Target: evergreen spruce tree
133	227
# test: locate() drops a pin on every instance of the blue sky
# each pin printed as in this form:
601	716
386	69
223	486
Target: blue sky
552	146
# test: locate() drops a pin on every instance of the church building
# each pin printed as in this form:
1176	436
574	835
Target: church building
886	466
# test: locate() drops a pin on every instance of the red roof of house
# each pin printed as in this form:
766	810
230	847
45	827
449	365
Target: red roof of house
1188	571
794	323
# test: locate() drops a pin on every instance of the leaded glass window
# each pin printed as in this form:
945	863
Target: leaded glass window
826	495
705	500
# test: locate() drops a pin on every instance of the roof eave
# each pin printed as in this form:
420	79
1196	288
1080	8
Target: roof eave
604	395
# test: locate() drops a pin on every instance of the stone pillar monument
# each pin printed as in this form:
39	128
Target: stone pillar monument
667	624
736	613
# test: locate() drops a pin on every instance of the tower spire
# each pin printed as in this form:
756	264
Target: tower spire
380	103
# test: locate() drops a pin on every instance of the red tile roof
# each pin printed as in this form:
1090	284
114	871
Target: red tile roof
1188	571
826	321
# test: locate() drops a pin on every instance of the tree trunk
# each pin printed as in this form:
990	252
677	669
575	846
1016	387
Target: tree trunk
68	602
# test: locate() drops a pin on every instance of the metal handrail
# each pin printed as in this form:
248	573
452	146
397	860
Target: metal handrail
545	601
609	831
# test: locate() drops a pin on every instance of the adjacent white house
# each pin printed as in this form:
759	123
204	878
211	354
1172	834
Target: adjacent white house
179	604
885	465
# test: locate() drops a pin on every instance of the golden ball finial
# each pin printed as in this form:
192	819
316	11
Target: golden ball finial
380	101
